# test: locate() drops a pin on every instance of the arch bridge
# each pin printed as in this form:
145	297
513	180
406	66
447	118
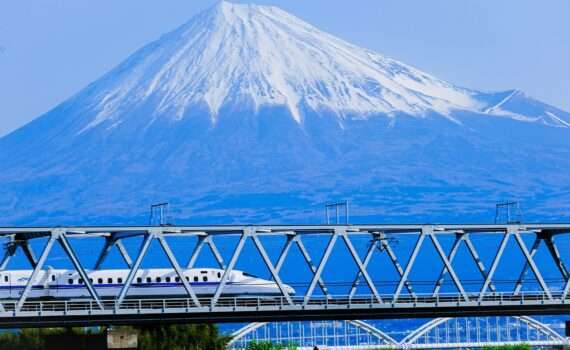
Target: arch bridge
440	333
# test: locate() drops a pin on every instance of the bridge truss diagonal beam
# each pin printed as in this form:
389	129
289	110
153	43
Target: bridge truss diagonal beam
284	252
12	246
462	237
29	253
396	263
134	269
531	263
271	268
293	238
450	258
409	265
380	238
111	242
60	236
177	269
534	248
555	254
319	271
311	265
124	253
205	240
36	271
448	266
71	254
367	257
480	266
361	268
228	271
9	250
495	264
104	252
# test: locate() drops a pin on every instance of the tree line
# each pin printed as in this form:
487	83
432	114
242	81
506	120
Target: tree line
165	337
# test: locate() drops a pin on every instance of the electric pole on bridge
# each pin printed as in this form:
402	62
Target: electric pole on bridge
159	214
511	211
337	209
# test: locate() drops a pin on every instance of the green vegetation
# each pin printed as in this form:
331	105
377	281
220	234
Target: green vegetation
171	337
509	347
181	337
35	339
269	346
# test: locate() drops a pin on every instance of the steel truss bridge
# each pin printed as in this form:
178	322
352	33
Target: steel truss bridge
367	296
440	333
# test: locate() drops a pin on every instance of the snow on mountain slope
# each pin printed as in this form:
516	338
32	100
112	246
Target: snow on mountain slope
236	54
247	113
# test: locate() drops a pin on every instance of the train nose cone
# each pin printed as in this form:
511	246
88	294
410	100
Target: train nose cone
290	290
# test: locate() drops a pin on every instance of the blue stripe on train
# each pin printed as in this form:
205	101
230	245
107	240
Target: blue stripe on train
137	285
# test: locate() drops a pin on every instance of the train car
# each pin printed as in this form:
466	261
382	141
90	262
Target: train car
147	283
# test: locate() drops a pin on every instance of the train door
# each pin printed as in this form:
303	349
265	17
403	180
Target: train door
49	284
7	281
6	291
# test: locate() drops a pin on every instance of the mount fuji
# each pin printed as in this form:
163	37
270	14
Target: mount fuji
248	114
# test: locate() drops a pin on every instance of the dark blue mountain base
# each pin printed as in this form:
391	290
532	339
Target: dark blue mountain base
265	167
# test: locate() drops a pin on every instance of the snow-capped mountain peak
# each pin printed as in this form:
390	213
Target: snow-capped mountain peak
260	55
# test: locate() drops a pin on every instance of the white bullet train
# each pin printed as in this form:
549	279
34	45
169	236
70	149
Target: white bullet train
147	283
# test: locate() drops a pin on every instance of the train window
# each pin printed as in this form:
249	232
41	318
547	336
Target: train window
195	278
219	275
188	278
148	280
158	279
70	281
139	279
119	280
177	279
109	280
52	278
249	275
100	280
91	280
167	279
81	281
205	278
6	278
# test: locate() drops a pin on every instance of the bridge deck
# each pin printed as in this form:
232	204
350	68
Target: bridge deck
135	311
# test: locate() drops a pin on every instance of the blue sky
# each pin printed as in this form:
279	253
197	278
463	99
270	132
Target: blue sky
50	49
